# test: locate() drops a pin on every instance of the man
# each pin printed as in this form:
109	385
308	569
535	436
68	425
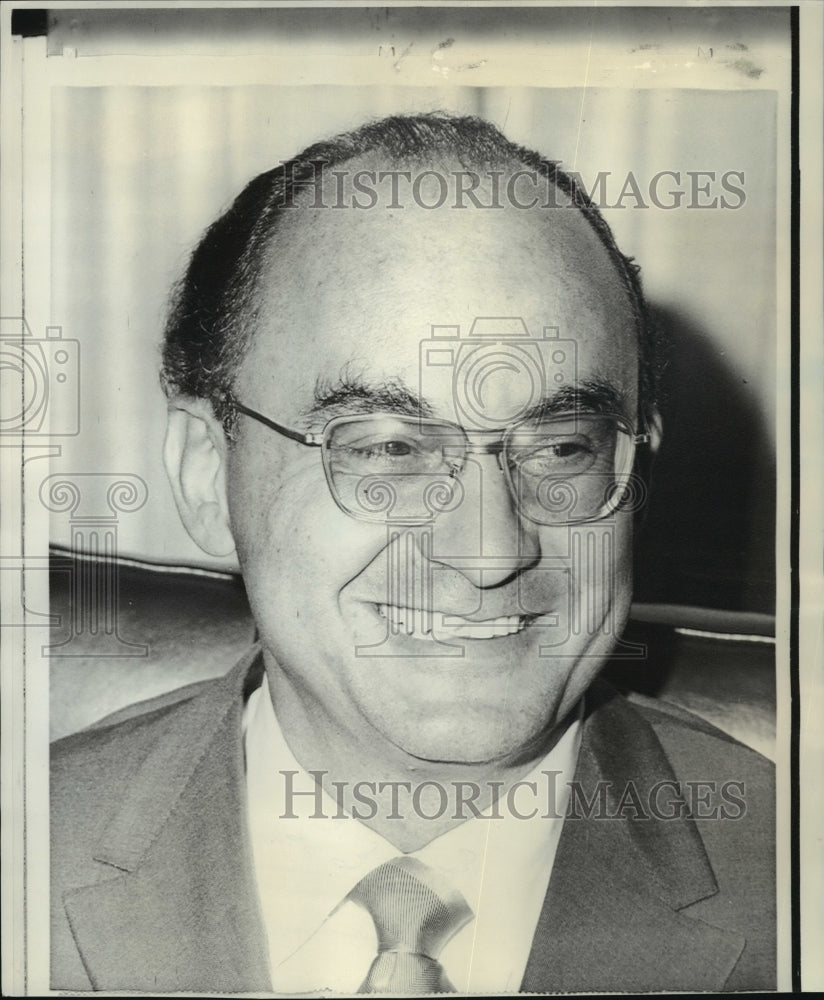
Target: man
411	384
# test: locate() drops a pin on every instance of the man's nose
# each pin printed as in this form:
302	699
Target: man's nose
483	536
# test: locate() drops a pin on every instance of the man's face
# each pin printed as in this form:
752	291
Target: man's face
348	301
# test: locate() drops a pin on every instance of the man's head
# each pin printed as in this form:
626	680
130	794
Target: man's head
214	306
466	637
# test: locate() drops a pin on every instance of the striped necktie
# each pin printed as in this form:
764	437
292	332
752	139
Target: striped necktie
415	915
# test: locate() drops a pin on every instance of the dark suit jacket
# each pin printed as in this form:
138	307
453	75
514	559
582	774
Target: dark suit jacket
152	883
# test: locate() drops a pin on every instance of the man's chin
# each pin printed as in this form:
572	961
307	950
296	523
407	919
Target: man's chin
466	739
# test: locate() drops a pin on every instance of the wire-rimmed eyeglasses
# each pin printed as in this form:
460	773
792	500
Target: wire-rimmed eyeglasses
562	468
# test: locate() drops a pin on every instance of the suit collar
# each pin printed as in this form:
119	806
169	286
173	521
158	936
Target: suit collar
180	909
613	916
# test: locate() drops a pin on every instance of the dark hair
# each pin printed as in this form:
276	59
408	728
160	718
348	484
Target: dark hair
213	309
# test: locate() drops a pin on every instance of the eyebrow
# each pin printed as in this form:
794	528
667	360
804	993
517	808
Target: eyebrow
353	395
592	395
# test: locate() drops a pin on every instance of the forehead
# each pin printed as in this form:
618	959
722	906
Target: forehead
349	288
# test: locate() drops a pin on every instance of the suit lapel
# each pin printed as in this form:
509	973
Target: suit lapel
612	919
180	909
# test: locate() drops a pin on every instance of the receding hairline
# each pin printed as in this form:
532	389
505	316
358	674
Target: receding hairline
333	193
562	241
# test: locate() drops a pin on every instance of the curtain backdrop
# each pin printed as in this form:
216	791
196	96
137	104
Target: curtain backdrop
139	172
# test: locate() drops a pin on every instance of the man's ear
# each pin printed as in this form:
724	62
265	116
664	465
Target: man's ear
645	458
195	458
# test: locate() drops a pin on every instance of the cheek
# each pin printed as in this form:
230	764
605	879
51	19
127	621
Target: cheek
596	562
270	513
295	546
604	575
606	542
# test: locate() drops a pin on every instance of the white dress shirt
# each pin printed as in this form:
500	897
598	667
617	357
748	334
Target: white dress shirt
305	867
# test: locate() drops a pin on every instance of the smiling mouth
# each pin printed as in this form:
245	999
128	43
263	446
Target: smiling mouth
414	621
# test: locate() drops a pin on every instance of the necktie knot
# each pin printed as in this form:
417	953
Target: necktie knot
415	915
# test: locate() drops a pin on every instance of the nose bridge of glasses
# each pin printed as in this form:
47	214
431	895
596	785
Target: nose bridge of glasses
492	443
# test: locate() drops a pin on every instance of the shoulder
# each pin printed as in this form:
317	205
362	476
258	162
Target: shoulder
93	770
657	742
694	745
139	746
90	773
117	745
717	775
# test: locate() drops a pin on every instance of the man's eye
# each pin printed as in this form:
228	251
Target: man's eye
390	449
567	449
397	449
556	456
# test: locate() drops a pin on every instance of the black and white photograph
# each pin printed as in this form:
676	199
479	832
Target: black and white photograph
412	486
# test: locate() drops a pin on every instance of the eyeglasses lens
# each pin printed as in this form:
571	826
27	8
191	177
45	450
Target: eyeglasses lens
396	468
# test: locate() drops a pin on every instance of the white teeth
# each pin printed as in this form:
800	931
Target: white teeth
492	628
408	620
412	620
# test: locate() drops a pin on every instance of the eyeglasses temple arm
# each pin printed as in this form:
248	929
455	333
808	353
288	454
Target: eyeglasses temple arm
313	440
